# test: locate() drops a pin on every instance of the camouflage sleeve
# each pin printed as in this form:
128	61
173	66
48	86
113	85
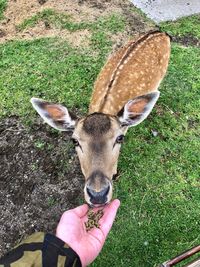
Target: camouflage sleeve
40	250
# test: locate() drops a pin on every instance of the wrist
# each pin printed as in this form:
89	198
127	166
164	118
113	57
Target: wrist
63	248
74	247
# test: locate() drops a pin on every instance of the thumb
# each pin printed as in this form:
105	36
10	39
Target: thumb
107	220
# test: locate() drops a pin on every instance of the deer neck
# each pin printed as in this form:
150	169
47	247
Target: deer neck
134	70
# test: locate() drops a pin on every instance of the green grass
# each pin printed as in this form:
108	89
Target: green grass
113	23
3	4
159	186
48	69
53	17
184	26
51	68
40	144
159	183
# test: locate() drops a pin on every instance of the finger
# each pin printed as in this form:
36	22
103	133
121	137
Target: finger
81	210
112	205
109	216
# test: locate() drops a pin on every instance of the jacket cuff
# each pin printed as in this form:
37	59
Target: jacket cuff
57	253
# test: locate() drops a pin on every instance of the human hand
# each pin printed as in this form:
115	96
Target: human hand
71	229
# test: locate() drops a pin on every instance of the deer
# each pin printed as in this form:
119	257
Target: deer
124	94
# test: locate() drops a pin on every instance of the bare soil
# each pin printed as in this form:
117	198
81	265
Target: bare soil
79	10
39	179
188	40
40	175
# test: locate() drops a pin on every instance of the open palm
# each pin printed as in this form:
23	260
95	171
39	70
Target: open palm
71	229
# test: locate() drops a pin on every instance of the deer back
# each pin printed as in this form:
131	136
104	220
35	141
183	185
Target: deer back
136	69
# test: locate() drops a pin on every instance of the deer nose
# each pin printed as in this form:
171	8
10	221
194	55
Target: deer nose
98	197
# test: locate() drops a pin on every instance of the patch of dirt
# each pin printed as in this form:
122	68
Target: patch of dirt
77	39
41	2
187	40
79	10
135	25
40	178
2	33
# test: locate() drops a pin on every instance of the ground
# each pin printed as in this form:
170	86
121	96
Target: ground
17	12
40	174
39	179
55	51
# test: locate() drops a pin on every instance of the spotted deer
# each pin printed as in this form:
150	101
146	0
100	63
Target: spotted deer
124	94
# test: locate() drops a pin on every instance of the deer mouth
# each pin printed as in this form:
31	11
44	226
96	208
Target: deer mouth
98	198
98	189
98	205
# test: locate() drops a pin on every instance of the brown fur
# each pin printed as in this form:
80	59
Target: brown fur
130	74
134	70
96	124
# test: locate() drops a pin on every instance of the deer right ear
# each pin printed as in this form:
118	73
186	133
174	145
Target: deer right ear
136	110
55	115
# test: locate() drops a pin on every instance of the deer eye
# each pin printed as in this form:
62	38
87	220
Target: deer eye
75	142
120	139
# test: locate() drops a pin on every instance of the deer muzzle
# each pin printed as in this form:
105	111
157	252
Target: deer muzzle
98	189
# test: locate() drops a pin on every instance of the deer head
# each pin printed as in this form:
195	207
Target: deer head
124	94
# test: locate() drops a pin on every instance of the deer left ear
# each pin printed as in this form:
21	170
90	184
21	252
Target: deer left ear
56	115
136	110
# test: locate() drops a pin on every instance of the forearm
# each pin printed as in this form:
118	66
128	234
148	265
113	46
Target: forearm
42	250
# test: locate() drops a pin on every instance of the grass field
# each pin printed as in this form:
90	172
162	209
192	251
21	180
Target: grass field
53	69
3	4
183	26
159	183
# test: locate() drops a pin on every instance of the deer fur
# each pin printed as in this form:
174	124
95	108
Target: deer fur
136	69
124	94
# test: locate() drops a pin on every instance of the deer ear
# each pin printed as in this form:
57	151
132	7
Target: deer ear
136	110
55	115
